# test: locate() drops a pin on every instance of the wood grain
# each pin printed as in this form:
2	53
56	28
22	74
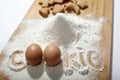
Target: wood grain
98	8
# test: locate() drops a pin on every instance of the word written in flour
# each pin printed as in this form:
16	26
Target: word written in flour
82	61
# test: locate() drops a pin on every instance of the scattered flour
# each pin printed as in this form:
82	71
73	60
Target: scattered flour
84	70
68	31
18	61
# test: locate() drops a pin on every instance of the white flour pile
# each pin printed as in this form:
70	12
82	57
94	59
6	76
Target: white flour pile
68	31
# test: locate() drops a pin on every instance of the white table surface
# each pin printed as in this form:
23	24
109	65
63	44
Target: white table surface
12	12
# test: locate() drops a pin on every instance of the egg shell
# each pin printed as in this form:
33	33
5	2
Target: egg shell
52	54
33	54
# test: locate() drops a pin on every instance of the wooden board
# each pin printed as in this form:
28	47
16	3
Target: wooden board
98	8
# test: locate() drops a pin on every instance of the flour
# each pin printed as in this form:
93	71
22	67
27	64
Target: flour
17	61
70	32
84	70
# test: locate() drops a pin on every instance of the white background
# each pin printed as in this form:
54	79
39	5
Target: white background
12	12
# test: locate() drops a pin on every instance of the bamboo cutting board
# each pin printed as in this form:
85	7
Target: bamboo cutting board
98	8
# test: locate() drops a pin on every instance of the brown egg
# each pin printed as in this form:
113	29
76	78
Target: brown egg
52	54
33	54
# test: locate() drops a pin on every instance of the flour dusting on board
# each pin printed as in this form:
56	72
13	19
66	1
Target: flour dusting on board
76	37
